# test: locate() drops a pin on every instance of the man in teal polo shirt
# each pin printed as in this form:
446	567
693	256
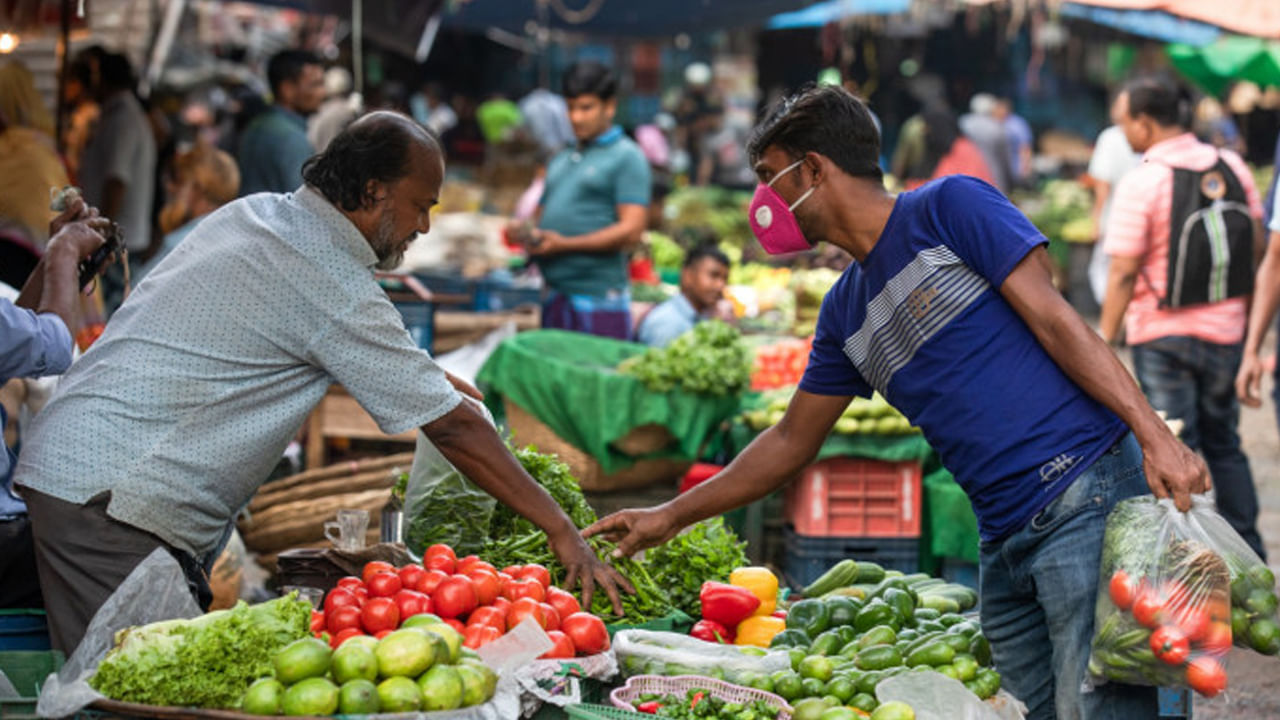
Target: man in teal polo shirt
274	145
592	211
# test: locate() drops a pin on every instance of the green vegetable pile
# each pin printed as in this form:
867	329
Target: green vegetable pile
706	551
863	416
710	359
699	703
204	662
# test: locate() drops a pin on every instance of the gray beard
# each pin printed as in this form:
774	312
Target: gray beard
384	243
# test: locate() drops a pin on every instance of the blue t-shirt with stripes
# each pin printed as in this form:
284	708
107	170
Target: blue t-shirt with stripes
921	320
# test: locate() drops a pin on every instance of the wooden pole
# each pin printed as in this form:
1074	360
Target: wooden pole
64	63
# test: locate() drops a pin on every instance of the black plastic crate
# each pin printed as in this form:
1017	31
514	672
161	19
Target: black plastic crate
454	286
806	558
494	296
420	320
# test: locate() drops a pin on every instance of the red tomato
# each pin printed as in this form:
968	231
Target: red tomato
486	585
1193	622
439	550
350	582
502	604
380	613
523	608
512	570
476	636
524	588
384	584
376	566
537	572
474	563
362	594
564	603
455	624
430	581
562	647
464	563
338	638
1206	676
491	616
412	602
442	563
382	633
339	597
1148	608
553	616
455	597
1217	638
317	621
1122	590
587	632
342	618
411	575
1170	645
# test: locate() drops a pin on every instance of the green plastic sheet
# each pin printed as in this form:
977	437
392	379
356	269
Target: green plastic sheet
569	382
1233	58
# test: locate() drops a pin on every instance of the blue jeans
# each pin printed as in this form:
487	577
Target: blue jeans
1194	381
1039	587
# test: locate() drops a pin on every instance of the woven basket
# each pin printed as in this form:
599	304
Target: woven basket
680	684
529	430
591	711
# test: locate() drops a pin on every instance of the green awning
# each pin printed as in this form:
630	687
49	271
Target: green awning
1213	67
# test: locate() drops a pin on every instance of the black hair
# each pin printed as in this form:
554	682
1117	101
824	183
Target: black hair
115	72
286	66
376	147
1161	98
705	252
941	129
588	77
828	120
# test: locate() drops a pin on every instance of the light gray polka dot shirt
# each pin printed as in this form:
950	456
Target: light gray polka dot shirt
200	380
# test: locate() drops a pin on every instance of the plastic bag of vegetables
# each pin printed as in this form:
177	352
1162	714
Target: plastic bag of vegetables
645	652
1176	590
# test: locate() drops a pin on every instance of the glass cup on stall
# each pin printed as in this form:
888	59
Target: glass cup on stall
347	533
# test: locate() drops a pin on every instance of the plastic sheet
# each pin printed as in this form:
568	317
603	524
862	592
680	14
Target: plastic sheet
643	652
935	696
559	682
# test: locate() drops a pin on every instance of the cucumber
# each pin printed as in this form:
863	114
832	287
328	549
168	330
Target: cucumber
840	575
869	573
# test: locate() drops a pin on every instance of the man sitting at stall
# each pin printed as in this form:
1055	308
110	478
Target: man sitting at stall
949	311
592	211
702	281
162	434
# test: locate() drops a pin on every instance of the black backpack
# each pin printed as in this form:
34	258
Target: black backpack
1211	249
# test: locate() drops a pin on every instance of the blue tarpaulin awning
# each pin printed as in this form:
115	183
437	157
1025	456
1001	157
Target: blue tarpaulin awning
835	11
1155	24
625	18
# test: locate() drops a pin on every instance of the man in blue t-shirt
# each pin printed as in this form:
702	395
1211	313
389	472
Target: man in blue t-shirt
593	210
950	312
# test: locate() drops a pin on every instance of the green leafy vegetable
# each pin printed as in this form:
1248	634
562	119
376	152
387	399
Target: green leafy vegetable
706	551
204	662
710	359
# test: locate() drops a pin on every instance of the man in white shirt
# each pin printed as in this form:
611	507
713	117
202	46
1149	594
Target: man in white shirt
166	428
1112	158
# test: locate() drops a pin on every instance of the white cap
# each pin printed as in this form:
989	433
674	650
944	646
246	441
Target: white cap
697	74
983	104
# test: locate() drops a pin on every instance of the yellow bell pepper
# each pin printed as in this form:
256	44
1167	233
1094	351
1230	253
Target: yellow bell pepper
762	583
759	630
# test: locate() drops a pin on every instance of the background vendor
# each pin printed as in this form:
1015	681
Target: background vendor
702	280
594	209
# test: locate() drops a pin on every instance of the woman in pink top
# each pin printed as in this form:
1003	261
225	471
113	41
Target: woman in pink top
953	153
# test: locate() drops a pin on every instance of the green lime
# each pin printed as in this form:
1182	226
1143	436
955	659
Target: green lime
263	697
818	667
842	688
809	709
864	702
894	710
354	661
787	684
1264	636
405	653
399	694
442	688
313	696
474	687
358	697
838	713
812	687
302	659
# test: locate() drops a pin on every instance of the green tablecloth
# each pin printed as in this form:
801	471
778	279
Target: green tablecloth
948	521
568	381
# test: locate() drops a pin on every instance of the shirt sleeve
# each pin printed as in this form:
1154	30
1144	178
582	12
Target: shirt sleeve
633	184
1129	225
31	344
980	224
661	326
830	372
368	351
122	149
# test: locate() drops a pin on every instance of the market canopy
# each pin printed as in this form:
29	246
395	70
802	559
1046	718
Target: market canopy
1156	24
835	11
1260	18
1230	59
614	17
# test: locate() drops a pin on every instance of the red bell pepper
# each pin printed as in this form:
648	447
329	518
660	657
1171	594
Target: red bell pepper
727	604
780	614
712	631
652	707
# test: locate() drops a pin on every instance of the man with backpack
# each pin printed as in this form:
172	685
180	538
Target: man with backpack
1183	238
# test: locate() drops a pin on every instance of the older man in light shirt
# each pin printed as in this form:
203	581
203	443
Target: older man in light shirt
166	428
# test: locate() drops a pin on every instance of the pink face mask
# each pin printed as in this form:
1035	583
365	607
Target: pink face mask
773	221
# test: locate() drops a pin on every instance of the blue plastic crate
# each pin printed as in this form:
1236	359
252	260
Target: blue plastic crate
806	558
23	630
420	320
449	284
495	296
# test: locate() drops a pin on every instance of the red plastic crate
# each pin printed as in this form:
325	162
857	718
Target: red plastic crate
856	497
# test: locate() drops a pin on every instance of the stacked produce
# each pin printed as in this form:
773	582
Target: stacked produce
682	565
1063	211
419	667
864	416
781	364
703	703
205	662
710	359
1177	590
811	287
741	611
468	595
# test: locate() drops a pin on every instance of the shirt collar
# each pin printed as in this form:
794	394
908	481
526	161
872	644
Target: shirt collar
1172	147
608	137
292	116
681	303
345	234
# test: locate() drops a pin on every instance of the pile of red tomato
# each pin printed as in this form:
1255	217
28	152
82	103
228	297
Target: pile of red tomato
781	364
469	594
